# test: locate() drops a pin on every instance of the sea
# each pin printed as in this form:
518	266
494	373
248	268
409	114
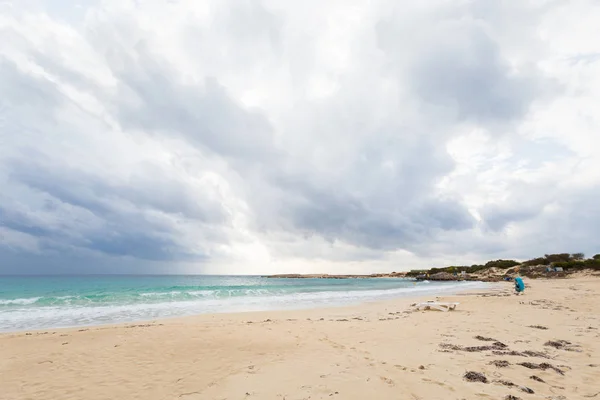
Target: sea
42	302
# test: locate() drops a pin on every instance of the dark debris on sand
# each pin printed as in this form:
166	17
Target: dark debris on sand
499	363
510	384
537	378
507	353
473	349
511	397
448	346
536	354
542	366
526	389
561	345
485	339
538	327
526	353
557	344
473	376
497	348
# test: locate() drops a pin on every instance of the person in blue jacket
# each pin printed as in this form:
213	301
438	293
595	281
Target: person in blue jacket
519	285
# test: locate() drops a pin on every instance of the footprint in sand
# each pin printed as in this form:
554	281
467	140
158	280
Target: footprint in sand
442	384
387	380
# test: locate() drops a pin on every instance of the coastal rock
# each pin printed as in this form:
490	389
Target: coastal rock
443	276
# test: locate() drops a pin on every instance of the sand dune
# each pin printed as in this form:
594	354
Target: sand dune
373	351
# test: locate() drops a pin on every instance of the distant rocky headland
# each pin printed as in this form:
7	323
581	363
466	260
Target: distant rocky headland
549	266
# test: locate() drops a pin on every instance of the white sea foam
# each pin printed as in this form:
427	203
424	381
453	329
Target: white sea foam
29	300
68	315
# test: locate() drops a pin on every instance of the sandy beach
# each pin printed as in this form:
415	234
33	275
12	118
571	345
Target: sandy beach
373	351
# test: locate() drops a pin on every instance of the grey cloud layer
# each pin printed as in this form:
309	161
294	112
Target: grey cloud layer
151	153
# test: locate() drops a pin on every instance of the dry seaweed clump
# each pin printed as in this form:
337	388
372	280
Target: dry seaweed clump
448	346
499	363
526	389
473	376
538	327
536	354
511	397
542	366
494	347
561	345
526	353
485	339
537	379
507	353
474	349
557	344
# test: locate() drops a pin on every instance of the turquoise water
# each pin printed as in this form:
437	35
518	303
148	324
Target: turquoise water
64	301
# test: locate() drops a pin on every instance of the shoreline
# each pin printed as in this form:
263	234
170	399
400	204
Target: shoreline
382	350
399	275
332	306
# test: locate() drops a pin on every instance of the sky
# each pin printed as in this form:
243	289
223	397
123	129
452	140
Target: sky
272	136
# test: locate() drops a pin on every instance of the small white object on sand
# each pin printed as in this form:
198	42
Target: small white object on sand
436	305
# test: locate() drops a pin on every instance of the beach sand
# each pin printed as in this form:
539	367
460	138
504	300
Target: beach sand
371	351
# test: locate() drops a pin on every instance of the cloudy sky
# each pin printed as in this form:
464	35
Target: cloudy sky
264	136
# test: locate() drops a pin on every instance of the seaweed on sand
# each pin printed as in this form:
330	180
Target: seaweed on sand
505	382
542	366
473	376
538	327
485	339
499	363
562	345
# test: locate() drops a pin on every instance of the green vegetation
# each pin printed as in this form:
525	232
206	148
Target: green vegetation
567	261
555	258
592	263
501	264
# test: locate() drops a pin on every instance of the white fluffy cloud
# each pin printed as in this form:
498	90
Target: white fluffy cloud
267	136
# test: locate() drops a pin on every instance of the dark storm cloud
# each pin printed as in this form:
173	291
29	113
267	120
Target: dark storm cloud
381	200
69	261
124	236
120	234
118	207
458	65
149	188
474	78
573	227
354	222
497	218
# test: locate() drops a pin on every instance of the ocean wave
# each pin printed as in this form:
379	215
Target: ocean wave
67	311
30	300
224	294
